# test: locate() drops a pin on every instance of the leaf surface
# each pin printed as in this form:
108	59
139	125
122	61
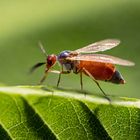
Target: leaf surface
41	113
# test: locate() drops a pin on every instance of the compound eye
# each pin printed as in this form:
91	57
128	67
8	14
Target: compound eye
49	62
51	59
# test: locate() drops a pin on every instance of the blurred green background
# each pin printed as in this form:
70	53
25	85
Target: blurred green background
68	25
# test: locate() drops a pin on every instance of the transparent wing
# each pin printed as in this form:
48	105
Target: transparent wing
99	46
102	58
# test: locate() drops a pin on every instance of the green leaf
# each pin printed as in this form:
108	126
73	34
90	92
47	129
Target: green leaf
40	113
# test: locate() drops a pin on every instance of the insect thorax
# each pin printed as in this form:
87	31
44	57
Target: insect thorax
68	64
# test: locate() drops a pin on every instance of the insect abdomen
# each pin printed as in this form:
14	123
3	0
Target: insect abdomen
100	71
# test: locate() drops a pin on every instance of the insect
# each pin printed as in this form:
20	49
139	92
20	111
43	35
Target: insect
85	61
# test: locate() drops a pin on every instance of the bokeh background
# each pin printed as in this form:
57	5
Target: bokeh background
68	25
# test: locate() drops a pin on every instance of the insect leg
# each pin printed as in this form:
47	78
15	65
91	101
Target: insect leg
61	72
59	76
43	78
81	80
76	70
95	82
45	75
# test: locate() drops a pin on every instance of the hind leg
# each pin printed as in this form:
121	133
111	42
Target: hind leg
86	71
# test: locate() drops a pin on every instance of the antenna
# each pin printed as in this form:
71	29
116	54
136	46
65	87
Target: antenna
42	48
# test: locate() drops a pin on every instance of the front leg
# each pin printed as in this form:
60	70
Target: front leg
45	75
61	72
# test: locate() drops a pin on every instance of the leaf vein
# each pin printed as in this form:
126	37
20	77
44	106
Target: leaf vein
79	119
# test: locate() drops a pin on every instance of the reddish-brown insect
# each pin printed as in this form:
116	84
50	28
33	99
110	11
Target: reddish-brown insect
96	66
